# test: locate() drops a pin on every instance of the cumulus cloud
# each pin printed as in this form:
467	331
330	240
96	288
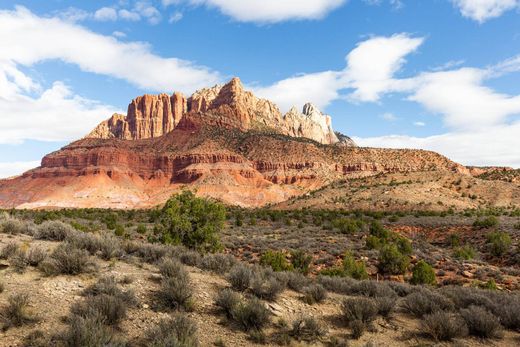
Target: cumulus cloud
369	74
483	10
268	11
28	39
105	14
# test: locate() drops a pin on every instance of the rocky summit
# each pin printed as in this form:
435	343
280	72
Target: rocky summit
222	142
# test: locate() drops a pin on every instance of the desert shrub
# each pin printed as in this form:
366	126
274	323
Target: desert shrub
276	260
465	252
18	260
392	261
11	226
347	225
36	338
506	308
36	255
190	257
16	311
372	289
378	230
179	330
296	281
498	243
385	305
266	286
464	297
172	268
354	268
108	286
110	308
481	322
89	331
401	289
485	223
218	263
2	286
357	327
82	240
9	250
227	300
240	277
252	314
176	292
363	309
109	247
443	326
373	242
337	284
54	231
301	261
67	260
314	293
423	273
307	329
191	221
425	302
150	253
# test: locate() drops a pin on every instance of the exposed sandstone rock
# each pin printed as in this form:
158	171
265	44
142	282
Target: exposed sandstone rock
228	105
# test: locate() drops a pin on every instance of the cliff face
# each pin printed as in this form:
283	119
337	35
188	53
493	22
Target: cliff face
222	142
231	106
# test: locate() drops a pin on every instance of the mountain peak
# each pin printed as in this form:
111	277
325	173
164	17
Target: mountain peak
228	105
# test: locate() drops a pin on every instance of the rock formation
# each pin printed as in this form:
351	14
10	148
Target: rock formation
228	105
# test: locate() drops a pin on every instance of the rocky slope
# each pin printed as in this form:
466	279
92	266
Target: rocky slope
222	142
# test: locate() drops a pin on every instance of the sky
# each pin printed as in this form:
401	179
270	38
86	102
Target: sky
441	75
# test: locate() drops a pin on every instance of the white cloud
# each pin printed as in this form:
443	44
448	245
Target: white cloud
497	145
28	39
146	10
73	14
119	34
370	71
419	124
482	10
268	11
56	114
16	168
390	117
129	15
175	17
105	14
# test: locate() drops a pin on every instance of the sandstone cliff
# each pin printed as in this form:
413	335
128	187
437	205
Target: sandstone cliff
228	105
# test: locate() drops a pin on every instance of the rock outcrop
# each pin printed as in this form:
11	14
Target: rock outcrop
228	105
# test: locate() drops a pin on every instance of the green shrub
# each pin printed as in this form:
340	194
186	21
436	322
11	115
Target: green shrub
119	230
193	222
499	243
276	260
378	230
373	242
443	326
403	245
301	261
392	261
354	268
347	225
465	252
423	273
141	229
179	330
488	222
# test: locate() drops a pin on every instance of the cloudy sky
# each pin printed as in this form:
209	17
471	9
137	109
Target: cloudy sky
438	74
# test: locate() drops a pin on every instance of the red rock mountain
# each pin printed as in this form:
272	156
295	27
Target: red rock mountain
222	142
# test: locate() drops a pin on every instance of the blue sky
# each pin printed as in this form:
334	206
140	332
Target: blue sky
441	74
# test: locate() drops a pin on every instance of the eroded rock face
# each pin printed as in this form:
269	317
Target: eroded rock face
228	105
149	116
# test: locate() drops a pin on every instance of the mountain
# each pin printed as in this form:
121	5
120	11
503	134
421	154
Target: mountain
222	142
